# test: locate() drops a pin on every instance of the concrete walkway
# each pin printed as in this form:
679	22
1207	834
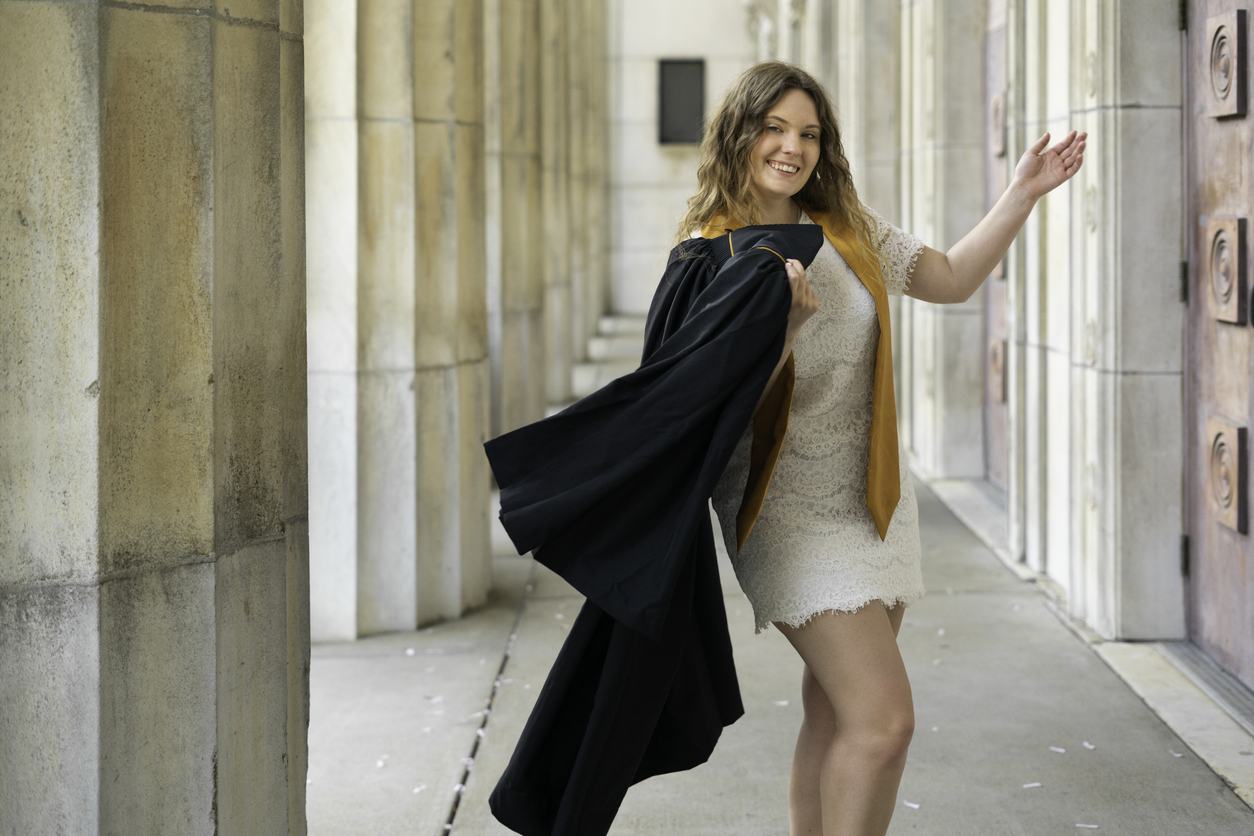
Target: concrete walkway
1005	696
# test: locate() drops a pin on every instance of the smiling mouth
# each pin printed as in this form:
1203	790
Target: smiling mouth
783	167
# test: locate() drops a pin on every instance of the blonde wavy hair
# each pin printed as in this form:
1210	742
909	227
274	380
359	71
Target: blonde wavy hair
724	180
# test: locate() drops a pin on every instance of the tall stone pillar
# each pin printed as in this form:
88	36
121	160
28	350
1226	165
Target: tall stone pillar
555	197
514	215
942	198
331	132
450	296
153	527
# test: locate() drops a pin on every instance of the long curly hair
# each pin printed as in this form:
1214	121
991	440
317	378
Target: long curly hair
723	177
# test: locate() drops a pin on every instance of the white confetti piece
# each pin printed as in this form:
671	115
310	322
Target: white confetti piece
1088	745
459	788
380	763
513	636
308	781
468	762
935	662
419	788
1093	826
480	732
1058	750
940	632
910	804
483	661
409	651
559	616
426	730
781	702
1032	785
527	687
935	728
1176	754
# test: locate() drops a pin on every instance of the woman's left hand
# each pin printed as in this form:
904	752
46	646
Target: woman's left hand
1042	170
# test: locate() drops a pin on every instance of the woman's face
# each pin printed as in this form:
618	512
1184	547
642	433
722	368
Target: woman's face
788	149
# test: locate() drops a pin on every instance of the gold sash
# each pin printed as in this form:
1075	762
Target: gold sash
883	472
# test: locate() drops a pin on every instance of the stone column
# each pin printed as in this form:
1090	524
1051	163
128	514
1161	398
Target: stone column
331	131
451	377
153	532
515	226
942	198
555	202
387	438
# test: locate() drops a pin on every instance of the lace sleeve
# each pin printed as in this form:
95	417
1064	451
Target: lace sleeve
900	251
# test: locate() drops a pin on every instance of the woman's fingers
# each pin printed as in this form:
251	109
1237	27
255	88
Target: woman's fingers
1040	144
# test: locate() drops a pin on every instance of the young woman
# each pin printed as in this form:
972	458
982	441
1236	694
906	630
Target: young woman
817	564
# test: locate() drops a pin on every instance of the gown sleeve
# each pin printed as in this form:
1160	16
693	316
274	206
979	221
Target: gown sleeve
900	251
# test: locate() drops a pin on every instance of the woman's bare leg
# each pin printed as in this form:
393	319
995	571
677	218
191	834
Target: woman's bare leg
846	775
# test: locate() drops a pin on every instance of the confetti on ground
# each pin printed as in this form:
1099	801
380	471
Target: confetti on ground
308	781
468	762
426	730
936	661
910	804
1087	825
940	632
781	702
1176	754
1058	750
935	728
527	687
1032	785
1016	607
1088	745
459	788
559	616
483	661
380	763
419	788
480	732
409	651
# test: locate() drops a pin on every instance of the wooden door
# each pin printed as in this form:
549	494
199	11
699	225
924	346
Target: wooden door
995	180
1218	408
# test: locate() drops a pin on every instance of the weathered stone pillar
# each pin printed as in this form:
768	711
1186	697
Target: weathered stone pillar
555	191
387	423
451	377
515	225
153	527
942	198
331	131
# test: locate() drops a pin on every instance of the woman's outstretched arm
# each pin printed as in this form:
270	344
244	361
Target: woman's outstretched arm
955	275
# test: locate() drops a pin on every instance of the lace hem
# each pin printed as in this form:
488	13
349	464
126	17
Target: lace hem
900	251
797	622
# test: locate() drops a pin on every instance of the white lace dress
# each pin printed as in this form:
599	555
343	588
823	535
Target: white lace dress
814	547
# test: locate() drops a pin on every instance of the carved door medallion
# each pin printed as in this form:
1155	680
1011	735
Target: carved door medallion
1225	268
1226	40
1226	470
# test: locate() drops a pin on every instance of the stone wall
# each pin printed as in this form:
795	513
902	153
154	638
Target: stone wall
153	515
650	183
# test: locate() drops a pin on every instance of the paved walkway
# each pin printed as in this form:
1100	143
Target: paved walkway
1005	696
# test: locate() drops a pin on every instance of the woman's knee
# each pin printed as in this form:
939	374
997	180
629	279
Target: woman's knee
886	737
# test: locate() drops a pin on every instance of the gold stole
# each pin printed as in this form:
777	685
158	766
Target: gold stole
770	423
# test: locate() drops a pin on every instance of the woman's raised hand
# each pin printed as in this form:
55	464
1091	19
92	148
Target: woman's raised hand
1041	169
805	303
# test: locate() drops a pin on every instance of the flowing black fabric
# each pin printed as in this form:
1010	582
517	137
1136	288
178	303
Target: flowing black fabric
612	494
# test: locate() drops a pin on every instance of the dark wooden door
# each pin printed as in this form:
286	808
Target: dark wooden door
995	179
1218	157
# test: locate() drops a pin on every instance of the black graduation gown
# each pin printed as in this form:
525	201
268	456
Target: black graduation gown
612	495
